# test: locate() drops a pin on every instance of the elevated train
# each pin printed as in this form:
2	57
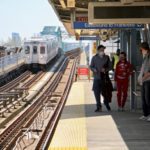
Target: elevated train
40	51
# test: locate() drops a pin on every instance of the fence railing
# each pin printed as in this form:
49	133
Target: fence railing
11	61
70	46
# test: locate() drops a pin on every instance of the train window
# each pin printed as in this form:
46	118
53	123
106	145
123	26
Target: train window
27	50
34	49
42	50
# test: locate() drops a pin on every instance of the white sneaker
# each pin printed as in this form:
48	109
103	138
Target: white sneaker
143	118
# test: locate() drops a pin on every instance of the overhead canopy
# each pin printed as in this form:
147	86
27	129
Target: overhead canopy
71	10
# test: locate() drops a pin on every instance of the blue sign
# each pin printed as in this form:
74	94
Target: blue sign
89	38
85	25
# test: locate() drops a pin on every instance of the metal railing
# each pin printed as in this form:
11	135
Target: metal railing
11	61
70	46
135	92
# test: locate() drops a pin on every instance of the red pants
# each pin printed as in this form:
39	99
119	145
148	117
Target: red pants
122	88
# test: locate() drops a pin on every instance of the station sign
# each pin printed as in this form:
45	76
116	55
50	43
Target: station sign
81	17
119	13
86	25
89	38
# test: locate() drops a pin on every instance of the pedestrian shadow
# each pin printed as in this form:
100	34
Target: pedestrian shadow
134	132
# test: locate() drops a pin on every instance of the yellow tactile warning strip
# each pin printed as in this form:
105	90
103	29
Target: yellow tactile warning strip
71	133
68	148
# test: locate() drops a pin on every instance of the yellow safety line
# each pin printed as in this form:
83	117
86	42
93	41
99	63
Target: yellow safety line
71	133
68	148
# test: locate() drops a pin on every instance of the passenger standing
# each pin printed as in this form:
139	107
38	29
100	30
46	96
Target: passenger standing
123	70
144	80
99	64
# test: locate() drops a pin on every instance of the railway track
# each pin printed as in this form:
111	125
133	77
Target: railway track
13	96
15	82
47	134
53	96
35	79
73	53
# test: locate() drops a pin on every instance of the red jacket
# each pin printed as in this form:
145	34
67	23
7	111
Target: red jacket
123	70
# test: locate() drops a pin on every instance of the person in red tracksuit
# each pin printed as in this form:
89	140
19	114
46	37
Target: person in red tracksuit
122	73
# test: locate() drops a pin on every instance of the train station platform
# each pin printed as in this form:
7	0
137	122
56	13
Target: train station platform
80	128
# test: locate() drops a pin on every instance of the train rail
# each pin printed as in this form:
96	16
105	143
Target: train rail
73	53
53	96
15	82
35	79
13	94
47	134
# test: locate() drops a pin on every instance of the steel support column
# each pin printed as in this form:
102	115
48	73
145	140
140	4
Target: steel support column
132	59
123	40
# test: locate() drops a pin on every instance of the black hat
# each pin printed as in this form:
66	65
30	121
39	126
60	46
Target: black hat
144	45
101	46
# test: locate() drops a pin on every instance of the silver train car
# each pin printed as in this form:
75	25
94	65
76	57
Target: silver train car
40	51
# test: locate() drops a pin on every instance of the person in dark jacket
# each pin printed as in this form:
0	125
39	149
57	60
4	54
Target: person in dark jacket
107	88
99	65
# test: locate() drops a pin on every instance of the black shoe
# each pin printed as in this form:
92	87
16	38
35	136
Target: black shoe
108	107
98	110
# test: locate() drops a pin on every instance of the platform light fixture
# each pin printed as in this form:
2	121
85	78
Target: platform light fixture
78	31
127	1
62	3
71	3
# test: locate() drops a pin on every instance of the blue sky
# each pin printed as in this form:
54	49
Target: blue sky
25	17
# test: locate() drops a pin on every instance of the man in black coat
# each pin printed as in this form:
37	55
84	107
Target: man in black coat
99	65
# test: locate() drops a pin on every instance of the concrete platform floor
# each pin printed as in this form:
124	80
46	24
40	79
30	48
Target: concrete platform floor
103	130
80	128
115	130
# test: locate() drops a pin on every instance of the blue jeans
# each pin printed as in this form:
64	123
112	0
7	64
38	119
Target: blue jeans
146	98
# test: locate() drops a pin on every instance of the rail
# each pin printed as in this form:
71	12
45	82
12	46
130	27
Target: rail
48	132
73	53
136	91
16	127
49	98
